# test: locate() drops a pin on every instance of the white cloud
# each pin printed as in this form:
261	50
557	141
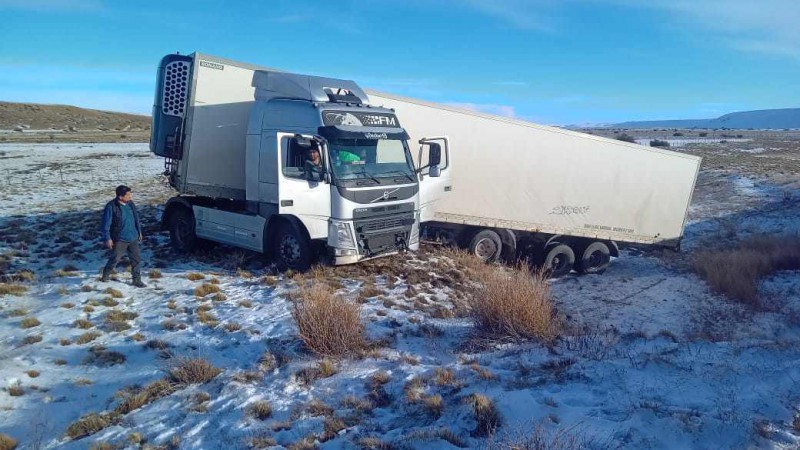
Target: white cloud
537	15
766	27
488	108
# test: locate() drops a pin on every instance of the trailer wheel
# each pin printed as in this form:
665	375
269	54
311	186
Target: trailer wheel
486	245
559	261
181	230
594	259
291	248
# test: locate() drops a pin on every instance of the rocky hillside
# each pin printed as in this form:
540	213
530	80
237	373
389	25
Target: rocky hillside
29	116
761	119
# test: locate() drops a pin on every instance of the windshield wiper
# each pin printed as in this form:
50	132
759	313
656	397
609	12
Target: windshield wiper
364	172
399	172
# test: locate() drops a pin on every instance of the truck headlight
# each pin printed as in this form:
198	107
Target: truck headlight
341	233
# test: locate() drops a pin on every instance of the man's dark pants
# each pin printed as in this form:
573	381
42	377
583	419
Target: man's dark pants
134	254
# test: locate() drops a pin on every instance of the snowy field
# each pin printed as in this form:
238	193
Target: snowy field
650	357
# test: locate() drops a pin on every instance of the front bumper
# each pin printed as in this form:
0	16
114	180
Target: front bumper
374	237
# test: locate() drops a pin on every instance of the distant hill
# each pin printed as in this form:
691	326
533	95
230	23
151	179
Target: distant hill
761	119
62	117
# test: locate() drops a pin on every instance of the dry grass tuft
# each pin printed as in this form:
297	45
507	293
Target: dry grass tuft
171	304
245	303
433	404
109	302
16	390
32	339
261	410
736	272
116	315
194	371
12	289
486	415
82	324
327	368
113	292
442	433
88	425
62	290
87	337
29	322
331	427
7	442
33	373
133	399
232	327
194	276
261	442
373	443
101	356
513	304
219	297
86	288
17	312
541	438
68	305
88	309
64	342
329	325
154	274
205	289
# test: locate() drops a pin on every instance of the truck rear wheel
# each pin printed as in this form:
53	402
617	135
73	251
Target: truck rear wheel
559	261
486	245
181	230
291	248
594	259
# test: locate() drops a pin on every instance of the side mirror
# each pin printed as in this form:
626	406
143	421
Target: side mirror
435	156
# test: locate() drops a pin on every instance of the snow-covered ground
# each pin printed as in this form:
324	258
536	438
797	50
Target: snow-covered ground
651	358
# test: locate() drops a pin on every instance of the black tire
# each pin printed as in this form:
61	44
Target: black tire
291	249
594	259
181	230
486	245
559	261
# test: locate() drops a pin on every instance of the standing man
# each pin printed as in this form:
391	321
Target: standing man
122	232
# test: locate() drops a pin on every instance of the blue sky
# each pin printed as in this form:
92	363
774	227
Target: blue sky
549	61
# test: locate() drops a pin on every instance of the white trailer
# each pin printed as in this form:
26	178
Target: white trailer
507	187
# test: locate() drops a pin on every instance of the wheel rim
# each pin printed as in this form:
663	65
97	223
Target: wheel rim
290	249
596	259
485	249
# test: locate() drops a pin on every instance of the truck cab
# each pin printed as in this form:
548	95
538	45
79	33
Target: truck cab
248	173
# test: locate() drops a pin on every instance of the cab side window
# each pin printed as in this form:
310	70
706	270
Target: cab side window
293	155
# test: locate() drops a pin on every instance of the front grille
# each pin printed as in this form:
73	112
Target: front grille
385	223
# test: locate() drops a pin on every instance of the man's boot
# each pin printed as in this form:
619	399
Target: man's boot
105	276
138	283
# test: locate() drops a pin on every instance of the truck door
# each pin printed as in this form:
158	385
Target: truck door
302	190
434	174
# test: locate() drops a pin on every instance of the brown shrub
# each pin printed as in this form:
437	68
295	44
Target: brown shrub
135	399
433	404
261	410
109	302
29	322
7	442
88	425
12	289
194	371
331	426
513	304
232	326
154	274
486	415
33	373
32	339
82	324
329	325
205	289
116	315
87	337
736	272
113	292
194	276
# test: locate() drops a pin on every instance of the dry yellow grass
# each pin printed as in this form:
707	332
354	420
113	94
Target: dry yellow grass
12	289
33	373
736	272
261	410
194	276
205	289
513	304
82	324
87	425
32	339
87	337
486	415
113	292
7	442
193	371
154	274
329	324
29	322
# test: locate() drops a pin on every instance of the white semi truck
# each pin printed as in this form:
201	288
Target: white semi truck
511	188
235	138
237	141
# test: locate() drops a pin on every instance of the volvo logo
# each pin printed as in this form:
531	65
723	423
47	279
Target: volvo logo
385	195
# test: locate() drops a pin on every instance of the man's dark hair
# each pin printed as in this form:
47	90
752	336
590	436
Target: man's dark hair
122	190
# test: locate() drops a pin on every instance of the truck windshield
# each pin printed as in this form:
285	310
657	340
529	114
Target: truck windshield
372	159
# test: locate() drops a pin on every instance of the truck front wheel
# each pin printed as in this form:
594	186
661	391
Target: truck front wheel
594	259
291	248
181	230
559	261
486	245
